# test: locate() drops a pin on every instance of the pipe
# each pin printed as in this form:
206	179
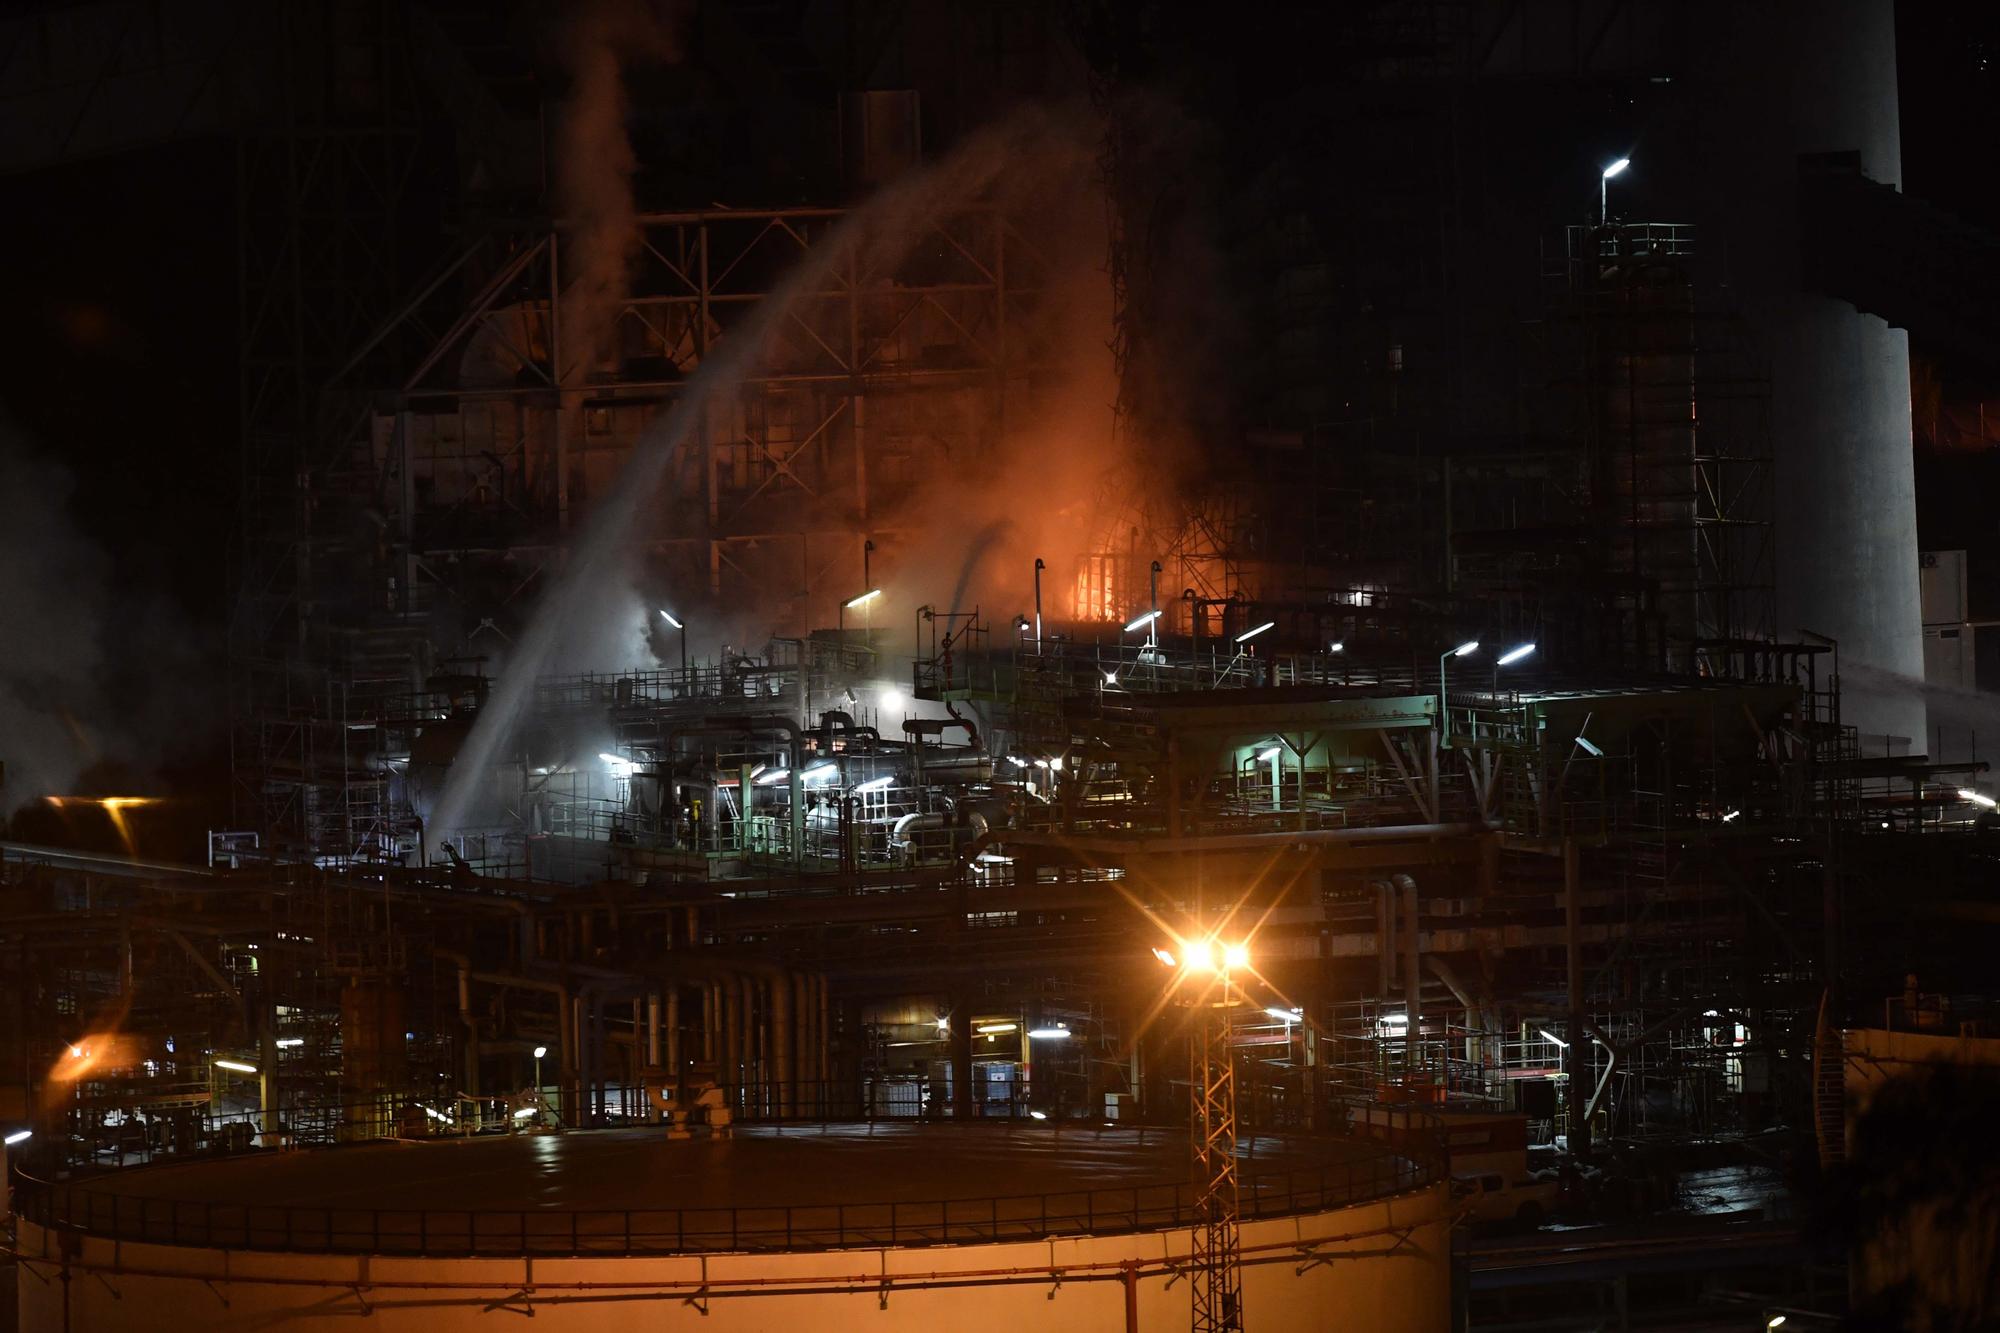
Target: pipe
464	965
1244	841
824	1061
781	1043
653	1030
1413	974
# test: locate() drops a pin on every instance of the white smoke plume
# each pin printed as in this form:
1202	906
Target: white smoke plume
90	674
594	166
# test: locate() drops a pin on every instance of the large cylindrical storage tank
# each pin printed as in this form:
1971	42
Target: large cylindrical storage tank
824	1228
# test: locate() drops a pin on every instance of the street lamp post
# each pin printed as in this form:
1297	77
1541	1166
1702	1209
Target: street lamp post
862	599
1039	567
1153	594
1508	658
540	1051
1444	707
1604	190
1218	1278
671	620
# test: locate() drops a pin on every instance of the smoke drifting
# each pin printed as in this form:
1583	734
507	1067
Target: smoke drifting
1021	153
90	674
594	165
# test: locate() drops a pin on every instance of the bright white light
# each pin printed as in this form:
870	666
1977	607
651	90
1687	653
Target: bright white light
236	1065
1554	1038
775	775
1588	748
1250	634
1266	756
1017	761
1145	618
1617	167
76	1052
618	764
437	1115
1111	678
1041	763
541	1051
1336	648
861	600
1393	1021
821	772
1513	655
892	701
1977	797
671	621
1287	1015
1731	815
287	1042
876	784
995	1029
1056	763
1038	1115
19	1136
1469	646
524	1113
1203	956
1165	957
1049	1034
1236	955
1774	1321
944	1024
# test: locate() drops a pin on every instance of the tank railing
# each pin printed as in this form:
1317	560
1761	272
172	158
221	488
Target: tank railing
1107	1210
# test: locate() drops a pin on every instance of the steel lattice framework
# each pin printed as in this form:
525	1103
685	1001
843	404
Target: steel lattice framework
1218	1278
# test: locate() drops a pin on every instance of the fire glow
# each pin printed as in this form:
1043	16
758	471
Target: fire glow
113	806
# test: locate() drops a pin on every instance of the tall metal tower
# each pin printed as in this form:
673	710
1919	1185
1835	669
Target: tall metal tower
1218	1276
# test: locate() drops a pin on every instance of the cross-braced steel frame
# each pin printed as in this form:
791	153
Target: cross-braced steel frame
1218	1276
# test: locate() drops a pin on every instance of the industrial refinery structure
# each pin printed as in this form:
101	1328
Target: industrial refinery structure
712	706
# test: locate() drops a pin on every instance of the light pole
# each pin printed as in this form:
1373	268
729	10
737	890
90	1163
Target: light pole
1604	190
1039	567
540	1051
1444	708
684	643
1153	591
862	599
1218	1284
1508	658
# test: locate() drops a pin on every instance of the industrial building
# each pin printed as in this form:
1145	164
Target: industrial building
963	664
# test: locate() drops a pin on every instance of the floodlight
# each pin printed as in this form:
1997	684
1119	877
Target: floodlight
1145	618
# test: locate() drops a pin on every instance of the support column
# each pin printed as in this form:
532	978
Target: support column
1579	1040
781	1045
961	1059
1413	972
673	1052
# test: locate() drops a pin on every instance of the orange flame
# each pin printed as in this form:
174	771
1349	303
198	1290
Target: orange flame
114	806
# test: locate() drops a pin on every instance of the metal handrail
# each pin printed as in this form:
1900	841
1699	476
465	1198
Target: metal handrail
1109	1210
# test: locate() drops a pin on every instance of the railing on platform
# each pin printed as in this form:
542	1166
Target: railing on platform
121	1215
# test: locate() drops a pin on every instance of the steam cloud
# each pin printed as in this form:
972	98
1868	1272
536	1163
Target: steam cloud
595	164
1020	155
87	670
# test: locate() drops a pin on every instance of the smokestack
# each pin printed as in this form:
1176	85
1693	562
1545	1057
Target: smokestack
1811	79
